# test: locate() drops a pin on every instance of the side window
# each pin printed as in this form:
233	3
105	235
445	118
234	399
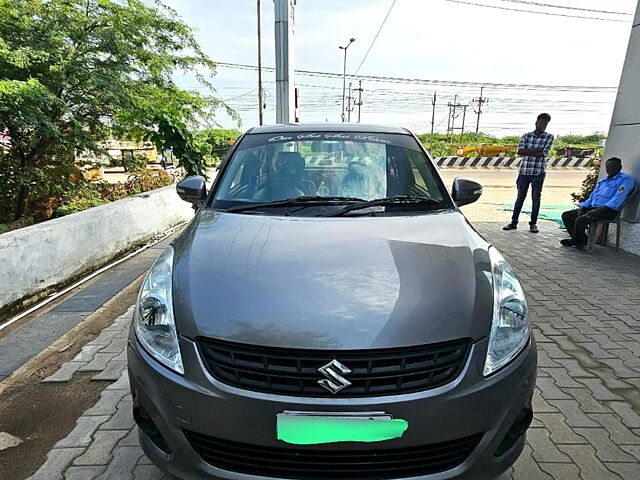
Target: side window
415	161
423	175
237	178
239	181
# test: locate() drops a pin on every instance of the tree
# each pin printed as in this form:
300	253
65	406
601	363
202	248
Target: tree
72	72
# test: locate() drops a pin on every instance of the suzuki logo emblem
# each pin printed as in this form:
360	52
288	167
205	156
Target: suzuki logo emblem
334	381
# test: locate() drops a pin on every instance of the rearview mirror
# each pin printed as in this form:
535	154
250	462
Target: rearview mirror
192	189
465	191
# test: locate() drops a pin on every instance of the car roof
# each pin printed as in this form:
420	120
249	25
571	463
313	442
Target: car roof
327	127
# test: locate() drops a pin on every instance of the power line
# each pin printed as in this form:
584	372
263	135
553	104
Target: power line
421	81
535	12
375	38
394	93
239	96
563	7
417	97
409	100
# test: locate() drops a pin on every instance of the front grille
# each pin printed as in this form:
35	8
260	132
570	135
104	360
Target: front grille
389	371
306	463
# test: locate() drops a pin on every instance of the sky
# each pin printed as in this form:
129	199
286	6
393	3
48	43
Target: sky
427	41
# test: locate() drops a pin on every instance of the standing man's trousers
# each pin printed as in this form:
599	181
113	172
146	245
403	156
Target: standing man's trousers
523	182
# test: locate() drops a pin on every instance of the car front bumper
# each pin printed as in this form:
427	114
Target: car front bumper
166	404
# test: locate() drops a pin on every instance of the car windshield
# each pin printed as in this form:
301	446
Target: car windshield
320	171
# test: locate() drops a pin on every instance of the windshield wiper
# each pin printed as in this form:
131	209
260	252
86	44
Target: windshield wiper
395	200
310	200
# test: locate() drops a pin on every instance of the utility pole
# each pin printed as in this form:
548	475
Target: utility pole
260	99
349	104
433	117
452	117
480	101
449	120
453	114
464	115
284	48
359	90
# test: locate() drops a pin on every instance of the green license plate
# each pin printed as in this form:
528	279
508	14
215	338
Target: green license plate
312	428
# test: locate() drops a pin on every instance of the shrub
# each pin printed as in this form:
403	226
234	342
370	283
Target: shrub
136	163
146	181
589	183
85	195
82	196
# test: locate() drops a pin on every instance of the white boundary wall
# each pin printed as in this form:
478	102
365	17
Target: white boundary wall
629	237
624	136
36	258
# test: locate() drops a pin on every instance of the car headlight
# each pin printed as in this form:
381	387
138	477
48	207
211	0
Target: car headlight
510	328
153	318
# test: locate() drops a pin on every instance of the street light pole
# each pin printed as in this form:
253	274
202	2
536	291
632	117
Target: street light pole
344	74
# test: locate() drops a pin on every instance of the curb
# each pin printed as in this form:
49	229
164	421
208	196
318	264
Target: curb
508	162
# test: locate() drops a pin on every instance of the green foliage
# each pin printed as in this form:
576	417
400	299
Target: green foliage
443	147
173	132
136	163
589	183
579	140
216	142
437	144
23	222
84	195
74	71
138	183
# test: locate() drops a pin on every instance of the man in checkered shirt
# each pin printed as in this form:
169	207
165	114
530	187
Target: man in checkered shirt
534	148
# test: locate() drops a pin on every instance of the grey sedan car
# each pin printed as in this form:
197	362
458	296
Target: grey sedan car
329	313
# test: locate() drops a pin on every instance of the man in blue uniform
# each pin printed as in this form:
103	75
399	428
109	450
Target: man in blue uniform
604	203
534	148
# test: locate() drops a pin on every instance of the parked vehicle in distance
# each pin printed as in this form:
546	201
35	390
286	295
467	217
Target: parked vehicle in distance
329	313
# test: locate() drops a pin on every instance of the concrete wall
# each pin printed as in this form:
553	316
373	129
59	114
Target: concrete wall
629	237
35	258
624	133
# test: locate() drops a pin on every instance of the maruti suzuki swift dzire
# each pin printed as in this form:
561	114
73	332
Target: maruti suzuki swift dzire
329	313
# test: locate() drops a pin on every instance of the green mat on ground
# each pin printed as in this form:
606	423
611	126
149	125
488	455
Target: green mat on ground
547	212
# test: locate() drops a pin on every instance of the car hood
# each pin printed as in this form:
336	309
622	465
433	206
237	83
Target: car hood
339	283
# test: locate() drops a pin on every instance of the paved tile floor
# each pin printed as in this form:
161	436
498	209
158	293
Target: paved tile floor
586	318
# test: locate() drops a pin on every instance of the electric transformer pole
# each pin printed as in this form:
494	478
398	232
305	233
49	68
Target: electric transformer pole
359	104
349	104
480	101
453	114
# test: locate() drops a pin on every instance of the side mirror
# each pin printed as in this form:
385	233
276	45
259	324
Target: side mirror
192	189
465	191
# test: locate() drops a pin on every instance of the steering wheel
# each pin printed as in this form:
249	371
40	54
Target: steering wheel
278	190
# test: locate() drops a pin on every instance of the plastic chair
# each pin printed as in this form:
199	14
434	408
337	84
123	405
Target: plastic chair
604	235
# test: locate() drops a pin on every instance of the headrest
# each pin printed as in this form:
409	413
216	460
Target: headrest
289	163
